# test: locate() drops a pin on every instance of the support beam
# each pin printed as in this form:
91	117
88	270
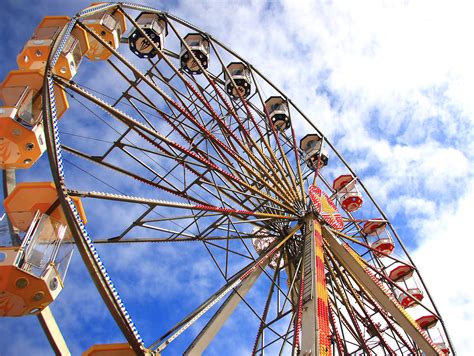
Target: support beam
51	329
315	335
373	287
232	283
207	334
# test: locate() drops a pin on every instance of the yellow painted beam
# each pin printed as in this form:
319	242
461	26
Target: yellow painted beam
351	262
54	335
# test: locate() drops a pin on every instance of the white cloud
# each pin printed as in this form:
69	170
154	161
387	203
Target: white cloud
444	259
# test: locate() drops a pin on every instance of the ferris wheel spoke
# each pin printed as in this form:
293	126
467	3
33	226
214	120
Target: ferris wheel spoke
368	281
207	105
339	341
142	129
201	175
143	78
280	314
297	162
132	240
218	107
228	107
353	326
266	308
269	161
338	274
253	175
176	120
97	159
273	179
192	104
228	132
230	191
170	204
370	309
206	335
205	236
175	236
231	284
232	178
173	190
201	236
276	137
221	145
272	160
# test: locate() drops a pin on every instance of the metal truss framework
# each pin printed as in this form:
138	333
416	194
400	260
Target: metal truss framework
195	166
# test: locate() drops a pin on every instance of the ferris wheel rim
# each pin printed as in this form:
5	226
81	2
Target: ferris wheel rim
55	154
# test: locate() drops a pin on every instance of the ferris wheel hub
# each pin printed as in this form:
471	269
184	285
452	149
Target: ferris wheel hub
326	210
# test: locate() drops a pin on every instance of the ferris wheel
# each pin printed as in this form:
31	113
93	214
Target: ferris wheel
159	135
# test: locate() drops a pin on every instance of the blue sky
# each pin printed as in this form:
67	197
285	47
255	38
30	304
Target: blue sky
389	83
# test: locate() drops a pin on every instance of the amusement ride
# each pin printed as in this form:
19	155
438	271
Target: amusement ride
139	111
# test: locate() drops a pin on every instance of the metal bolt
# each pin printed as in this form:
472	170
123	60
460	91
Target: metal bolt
38	296
53	284
21	283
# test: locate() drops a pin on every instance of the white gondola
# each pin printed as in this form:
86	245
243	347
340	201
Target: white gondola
155	28
199	46
406	300
427	321
348	194
277	109
238	73
409	286
316	156
400	271
439	340
379	237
